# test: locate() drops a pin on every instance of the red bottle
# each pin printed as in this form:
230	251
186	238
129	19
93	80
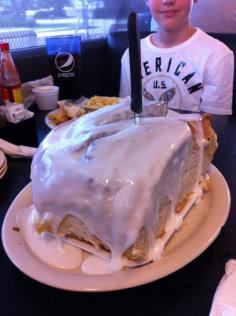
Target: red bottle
10	83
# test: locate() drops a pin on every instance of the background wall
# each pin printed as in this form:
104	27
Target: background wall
212	16
218	16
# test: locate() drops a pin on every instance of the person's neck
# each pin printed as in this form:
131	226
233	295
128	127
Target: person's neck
166	38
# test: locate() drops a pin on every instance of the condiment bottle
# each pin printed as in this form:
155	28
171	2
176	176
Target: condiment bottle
10	83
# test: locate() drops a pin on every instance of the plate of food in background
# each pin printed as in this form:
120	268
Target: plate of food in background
66	111
97	102
69	109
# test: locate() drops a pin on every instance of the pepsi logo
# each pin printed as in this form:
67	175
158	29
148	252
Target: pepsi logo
64	62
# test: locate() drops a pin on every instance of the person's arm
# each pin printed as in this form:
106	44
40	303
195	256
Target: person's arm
218	87
125	76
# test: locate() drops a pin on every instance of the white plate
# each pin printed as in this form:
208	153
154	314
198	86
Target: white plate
3	166
82	103
2	158
49	122
3	172
200	228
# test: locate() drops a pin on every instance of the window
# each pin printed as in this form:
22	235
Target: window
27	23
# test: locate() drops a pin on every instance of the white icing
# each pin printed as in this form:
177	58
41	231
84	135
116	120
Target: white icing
49	249
107	174
174	223
67	255
96	266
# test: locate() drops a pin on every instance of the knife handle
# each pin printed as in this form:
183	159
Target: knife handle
135	64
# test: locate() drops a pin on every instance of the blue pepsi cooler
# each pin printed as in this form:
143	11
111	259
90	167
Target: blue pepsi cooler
64	54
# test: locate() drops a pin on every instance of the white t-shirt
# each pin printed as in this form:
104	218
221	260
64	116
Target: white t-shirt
196	75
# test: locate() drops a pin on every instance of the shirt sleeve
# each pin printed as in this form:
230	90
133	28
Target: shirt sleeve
218	87
124	77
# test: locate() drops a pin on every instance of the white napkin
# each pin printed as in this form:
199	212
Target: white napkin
224	302
16	151
15	113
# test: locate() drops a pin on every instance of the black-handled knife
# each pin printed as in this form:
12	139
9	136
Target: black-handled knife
135	64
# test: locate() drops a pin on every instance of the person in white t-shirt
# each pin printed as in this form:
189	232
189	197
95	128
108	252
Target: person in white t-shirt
181	64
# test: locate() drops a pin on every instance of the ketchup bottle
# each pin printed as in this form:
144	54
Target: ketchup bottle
10	83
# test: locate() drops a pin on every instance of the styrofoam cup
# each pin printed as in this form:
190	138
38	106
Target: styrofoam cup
46	97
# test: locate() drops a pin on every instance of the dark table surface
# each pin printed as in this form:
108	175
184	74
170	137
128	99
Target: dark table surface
189	291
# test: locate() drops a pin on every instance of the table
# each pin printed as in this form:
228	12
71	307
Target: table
189	291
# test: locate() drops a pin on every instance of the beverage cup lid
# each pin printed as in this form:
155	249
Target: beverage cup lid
45	90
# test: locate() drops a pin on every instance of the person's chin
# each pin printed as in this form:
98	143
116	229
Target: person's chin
169	26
